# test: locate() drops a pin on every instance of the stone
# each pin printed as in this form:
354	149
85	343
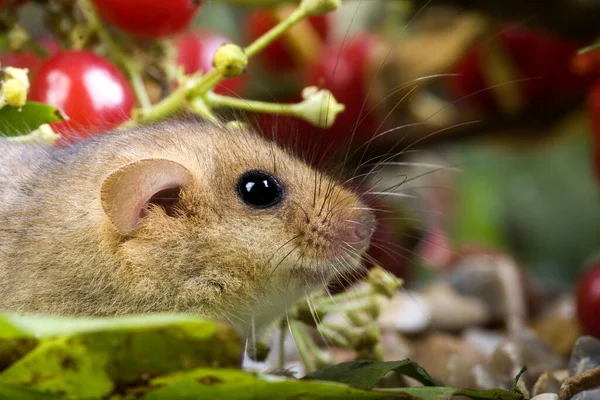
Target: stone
585	355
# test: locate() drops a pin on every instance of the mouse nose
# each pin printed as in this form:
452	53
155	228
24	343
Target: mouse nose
362	229
361	232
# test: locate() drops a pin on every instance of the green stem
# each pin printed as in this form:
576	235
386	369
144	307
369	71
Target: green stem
167	106
199	107
131	65
202	86
216	100
138	86
275	32
282	334
333	335
353	305
320	356
299	335
342	297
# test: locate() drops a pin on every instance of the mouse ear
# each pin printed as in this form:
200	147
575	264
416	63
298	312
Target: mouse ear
128	191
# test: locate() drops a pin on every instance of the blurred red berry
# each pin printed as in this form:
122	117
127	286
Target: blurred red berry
593	103
586	64
28	59
316	146
588	300
149	19
90	90
11	3
345	70
543	74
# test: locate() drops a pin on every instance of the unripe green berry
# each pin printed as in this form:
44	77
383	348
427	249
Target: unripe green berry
319	107
230	60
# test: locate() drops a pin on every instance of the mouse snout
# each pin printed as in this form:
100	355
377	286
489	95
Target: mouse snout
333	235
360	230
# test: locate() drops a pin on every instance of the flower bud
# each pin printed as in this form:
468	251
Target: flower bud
319	107
19	74
383	282
14	93
230	60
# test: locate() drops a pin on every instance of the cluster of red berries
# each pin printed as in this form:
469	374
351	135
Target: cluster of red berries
96	96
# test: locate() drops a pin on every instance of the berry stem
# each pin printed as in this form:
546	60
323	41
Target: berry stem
173	102
131	66
217	100
198	106
350	295
200	86
592	47
259	44
300	338
137	83
281	344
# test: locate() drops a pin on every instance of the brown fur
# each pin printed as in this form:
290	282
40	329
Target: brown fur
61	253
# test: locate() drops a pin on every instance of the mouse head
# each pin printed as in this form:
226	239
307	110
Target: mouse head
229	226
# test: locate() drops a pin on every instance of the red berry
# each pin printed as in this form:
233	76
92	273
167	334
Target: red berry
593	104
28	59
195	51
542	63
586	64
345	70
90	90
148	19
296	48
588	300
9	3
469	85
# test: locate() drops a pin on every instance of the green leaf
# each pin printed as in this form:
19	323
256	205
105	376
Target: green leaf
107	354
12	392
444	393
14	343
49	326
232	384
235	384
8	330
366	374
515	389
16	121
493	394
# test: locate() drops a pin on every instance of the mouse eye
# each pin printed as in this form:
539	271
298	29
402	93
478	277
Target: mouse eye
259	189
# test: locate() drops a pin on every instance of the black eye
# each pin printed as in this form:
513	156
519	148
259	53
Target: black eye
259	189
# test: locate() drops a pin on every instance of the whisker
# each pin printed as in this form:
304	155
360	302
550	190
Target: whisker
394	194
